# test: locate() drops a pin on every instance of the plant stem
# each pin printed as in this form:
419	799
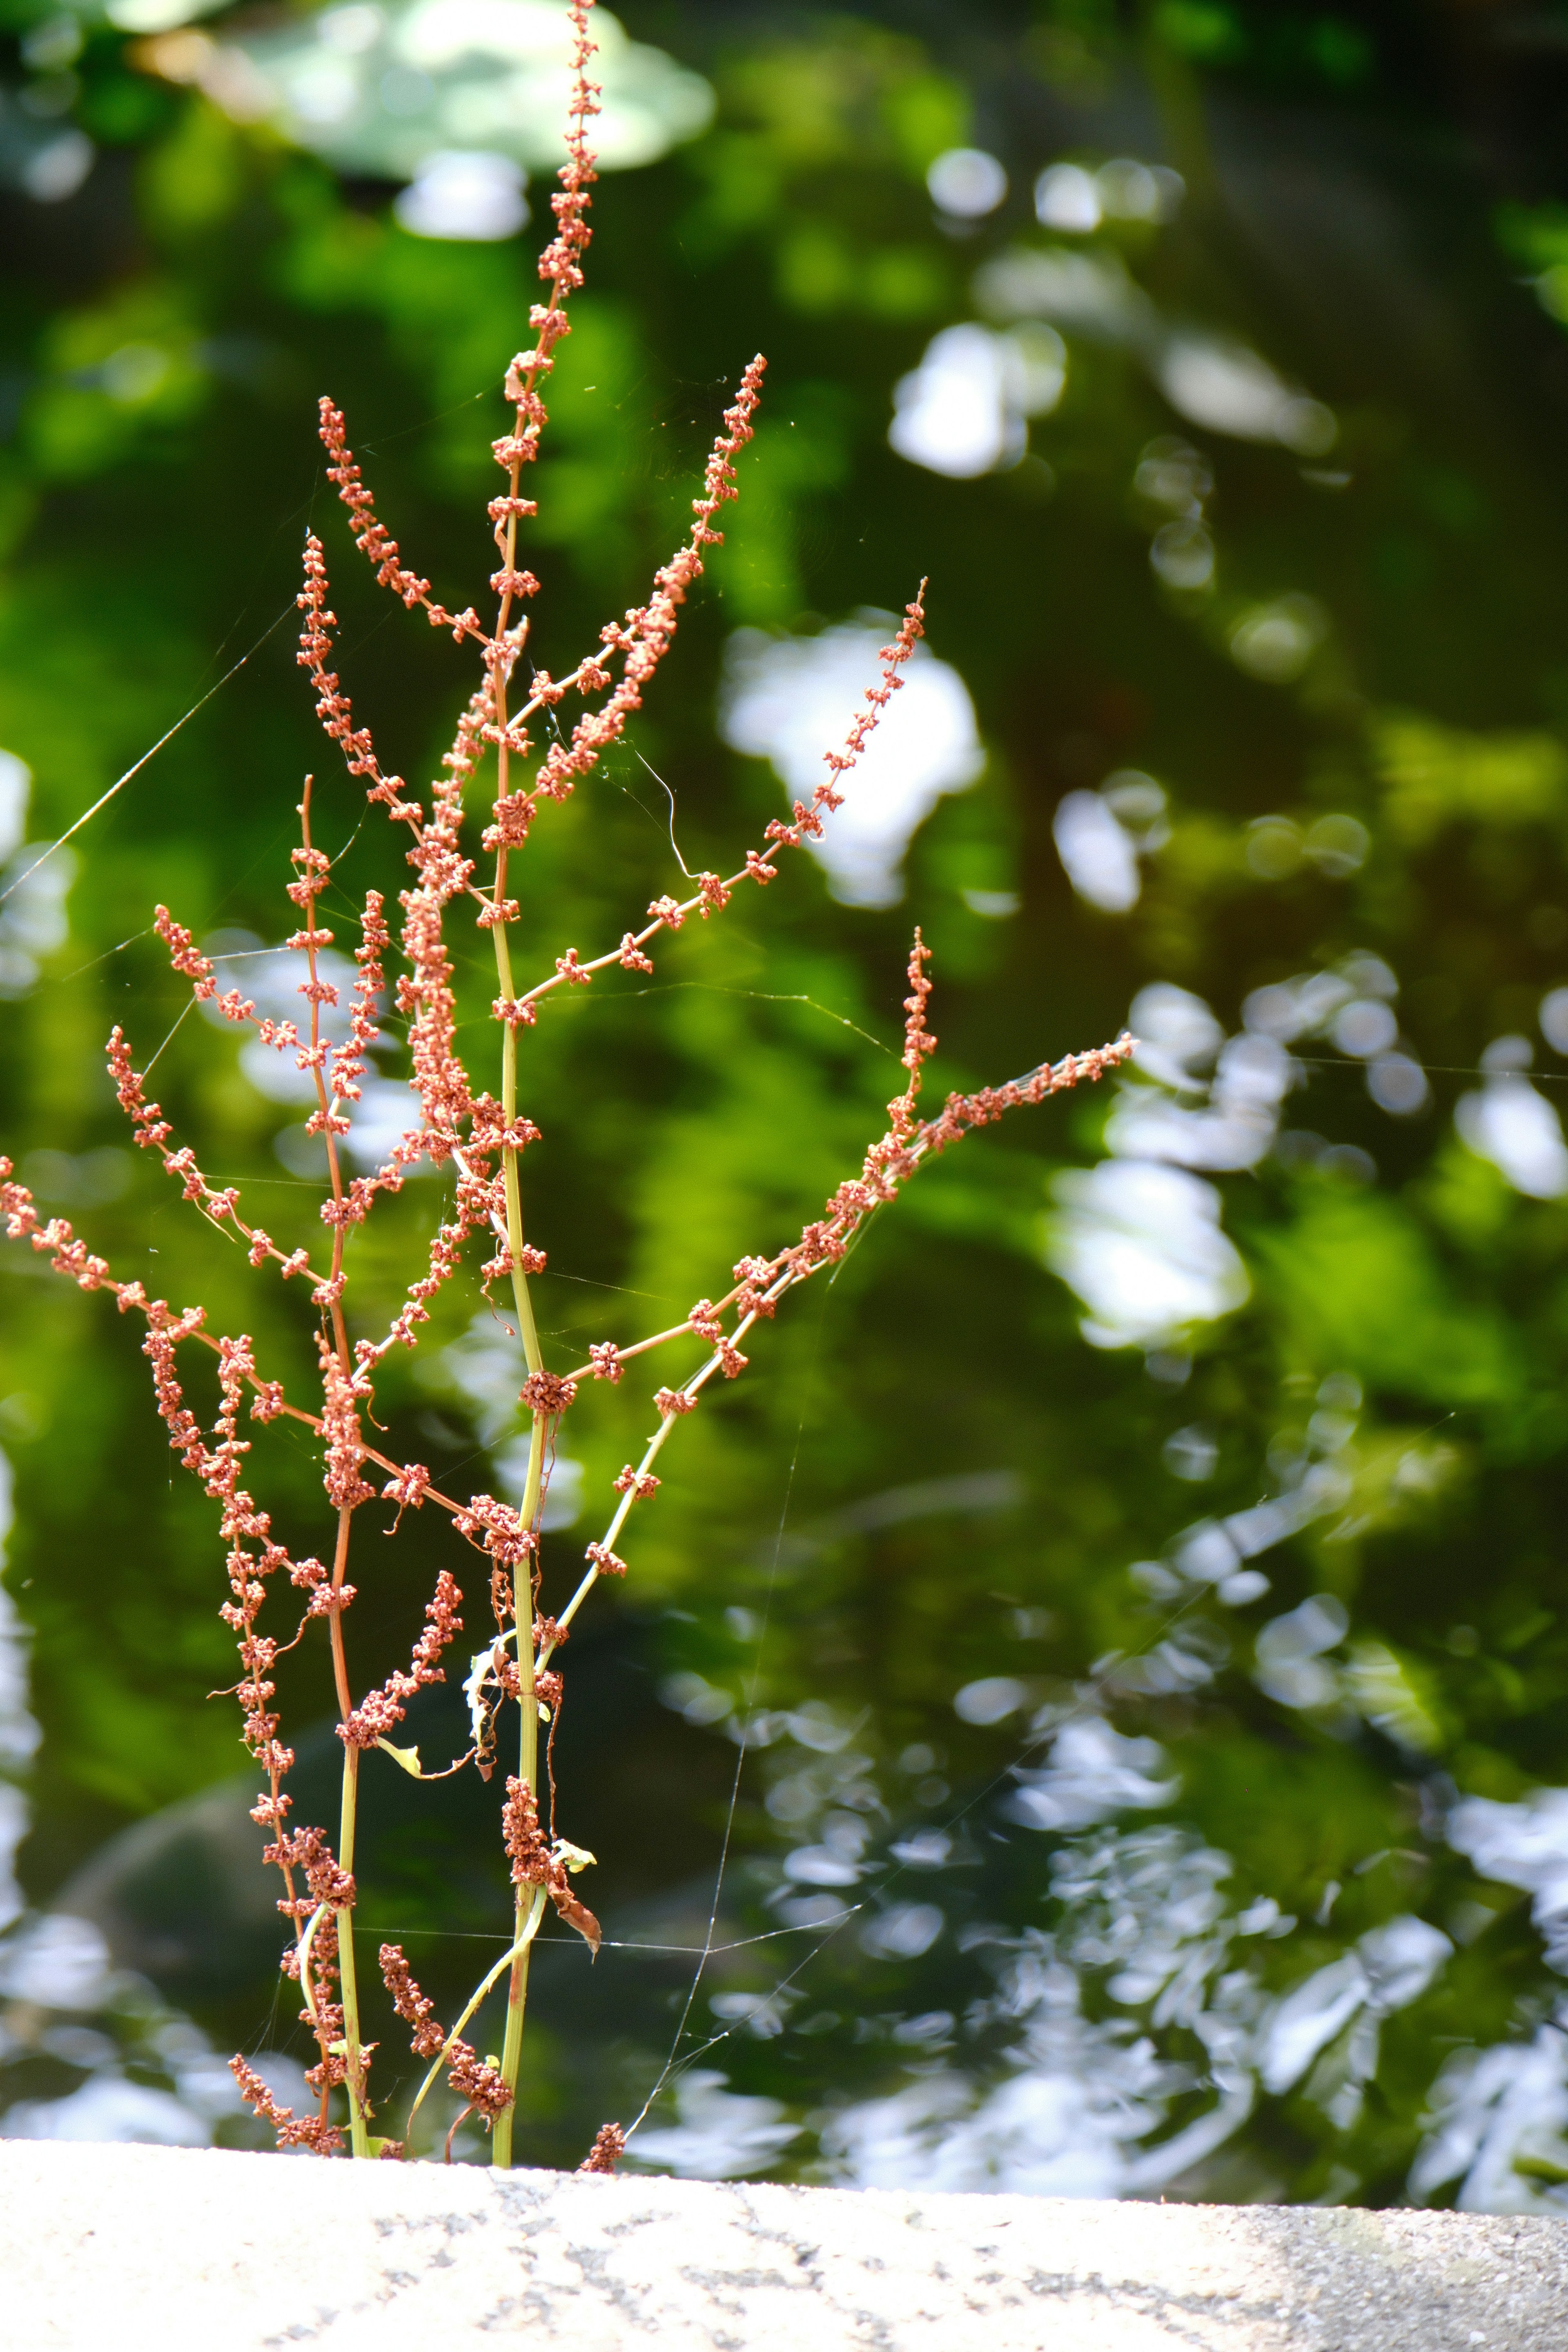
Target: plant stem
511	2048
530	1928
359	2135
528	1741
528	1771
528	1330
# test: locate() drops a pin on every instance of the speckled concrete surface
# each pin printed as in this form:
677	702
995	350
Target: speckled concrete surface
126	2247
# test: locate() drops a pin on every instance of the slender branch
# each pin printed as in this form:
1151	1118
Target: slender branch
713	894
823	1242
526	1935
313	862
889	1165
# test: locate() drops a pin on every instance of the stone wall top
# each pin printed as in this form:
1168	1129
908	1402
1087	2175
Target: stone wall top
107	2247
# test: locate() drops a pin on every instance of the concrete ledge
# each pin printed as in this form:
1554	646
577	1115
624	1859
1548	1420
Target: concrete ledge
107	2246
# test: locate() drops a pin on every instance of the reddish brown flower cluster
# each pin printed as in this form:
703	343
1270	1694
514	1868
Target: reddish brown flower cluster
526	1844
609	2146
712	894
543	1393
536	1863
808	815
340	1426
410	2003
375	544
644	637
314	1957
305	2131
377	1715
918	1042
477	2081
704	1321
496	1528
308	1850
183	954
334	707
408	1489
348	1062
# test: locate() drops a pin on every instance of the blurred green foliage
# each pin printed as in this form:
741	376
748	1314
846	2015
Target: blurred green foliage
1372	203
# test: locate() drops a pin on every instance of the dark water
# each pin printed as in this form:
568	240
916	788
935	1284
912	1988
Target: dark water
1131	1586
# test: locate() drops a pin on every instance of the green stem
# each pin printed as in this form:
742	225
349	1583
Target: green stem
527	1328
359	2134
528	1772
353	2065
508	1960
306	1941
511	2048
528	1743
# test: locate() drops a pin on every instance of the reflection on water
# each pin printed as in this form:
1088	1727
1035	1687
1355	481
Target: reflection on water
1052	1866
1499	2137
1128	2039
1508	1123
1142	2032
1124	2043
89	2051
1134	2025
1131	2036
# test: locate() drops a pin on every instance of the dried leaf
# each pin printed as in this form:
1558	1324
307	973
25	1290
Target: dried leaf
577	1915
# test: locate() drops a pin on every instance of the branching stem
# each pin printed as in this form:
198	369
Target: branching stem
527	1330
353	2064
527	1930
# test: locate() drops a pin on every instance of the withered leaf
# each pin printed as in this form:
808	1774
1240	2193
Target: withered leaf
577	1915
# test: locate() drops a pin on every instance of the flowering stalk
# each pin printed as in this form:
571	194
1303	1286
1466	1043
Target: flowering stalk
344	1483
561	267
481	1139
